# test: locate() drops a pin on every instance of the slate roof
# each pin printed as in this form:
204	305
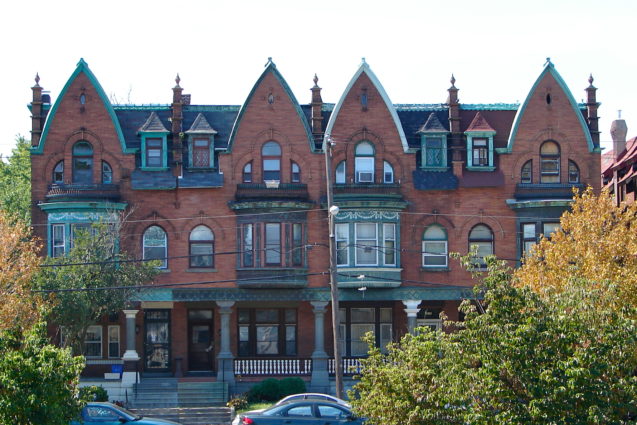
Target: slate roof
434	180
432	125
201	126
153	124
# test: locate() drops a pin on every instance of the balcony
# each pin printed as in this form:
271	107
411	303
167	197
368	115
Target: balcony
530	191
79	192
272	190
363	195
269	278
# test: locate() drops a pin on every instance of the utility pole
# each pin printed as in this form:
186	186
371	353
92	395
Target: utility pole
332	211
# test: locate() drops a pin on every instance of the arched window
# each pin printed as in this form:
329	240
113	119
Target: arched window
364	163
58	173
155	245
526	175
388	172
549	162
202	247
573	172
247	173
434	247
296	173
82	163
271	156
340	173
107	173
481	240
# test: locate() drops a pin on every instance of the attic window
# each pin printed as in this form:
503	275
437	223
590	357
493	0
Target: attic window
364	99
82	99
548	99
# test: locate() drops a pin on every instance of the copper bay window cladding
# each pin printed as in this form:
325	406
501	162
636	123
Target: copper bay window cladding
271	244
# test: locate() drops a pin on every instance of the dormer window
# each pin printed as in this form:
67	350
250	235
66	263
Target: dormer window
154	152
364	163
201	143
201	153
480	152
433	144
480	145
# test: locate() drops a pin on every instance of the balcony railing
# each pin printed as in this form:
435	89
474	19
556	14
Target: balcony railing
351	366
545	190
268	367
83	191
271	190
367	189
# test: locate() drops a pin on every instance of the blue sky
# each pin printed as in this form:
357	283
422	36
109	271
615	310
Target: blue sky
495	48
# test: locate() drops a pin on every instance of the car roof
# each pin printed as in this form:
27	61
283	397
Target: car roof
313	396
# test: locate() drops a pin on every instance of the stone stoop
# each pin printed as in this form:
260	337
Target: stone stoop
190	415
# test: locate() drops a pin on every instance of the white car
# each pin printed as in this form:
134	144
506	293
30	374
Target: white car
296	397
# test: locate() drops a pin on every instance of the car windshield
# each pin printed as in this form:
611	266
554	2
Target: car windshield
135	416
273	411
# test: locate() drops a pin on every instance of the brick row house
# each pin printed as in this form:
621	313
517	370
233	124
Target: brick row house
232	200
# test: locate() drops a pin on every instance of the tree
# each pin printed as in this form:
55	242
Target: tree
521	358
597	243
15	182
38	381
93	280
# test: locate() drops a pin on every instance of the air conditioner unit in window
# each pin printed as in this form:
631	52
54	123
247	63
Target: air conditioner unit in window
365	177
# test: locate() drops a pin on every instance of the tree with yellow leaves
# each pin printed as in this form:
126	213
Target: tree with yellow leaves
597	244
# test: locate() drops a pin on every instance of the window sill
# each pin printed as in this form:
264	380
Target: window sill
154	168
439	169
164	270
434	269
481	168
201	270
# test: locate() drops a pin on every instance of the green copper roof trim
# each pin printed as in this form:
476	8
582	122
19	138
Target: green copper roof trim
271	68
438	292
142	107
265	205
75	206
549	68
516	205
82	67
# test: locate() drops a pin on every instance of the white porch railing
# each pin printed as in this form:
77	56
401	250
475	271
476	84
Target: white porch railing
351	366
264	366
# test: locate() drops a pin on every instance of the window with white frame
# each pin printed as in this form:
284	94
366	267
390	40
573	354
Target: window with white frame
58	243
434	247
113	342
155	245
389	243
481	240
366	240
388	172
342	244
549	162
93	342
340	173
364	162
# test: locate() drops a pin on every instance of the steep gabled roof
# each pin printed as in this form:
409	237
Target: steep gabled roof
153	125
201	126
479	124
82	67
549	68
432	125
364	68
271	68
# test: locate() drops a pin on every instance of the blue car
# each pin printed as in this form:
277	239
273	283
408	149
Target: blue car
308	412
95	413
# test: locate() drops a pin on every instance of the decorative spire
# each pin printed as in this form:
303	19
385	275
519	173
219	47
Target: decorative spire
177	80
37	79
453	81
590	80
315	79
363	60
548	61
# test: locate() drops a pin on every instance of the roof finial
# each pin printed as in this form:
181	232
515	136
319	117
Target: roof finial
591	79
315	81
363	60
37	79
548	61
177	80
453	81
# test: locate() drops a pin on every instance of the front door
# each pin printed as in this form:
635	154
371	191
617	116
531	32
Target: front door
157	341
200	340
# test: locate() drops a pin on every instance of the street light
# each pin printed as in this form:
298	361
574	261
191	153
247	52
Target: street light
333	211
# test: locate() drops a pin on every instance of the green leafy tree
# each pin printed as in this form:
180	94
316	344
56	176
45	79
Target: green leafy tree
15	182
518	358
38	381
93	280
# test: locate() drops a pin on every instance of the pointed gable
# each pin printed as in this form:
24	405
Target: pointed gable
549	72
201	126
153	125
270	69
480	124
432	125
365	69
82	68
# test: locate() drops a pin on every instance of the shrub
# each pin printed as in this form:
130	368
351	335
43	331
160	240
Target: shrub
238	402
93	393
273	389
292	386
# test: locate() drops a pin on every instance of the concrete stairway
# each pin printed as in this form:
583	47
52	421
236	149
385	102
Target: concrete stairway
155	393
190	415
202	394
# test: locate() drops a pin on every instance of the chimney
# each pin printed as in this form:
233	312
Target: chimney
176	129
317	105
37	117
591	107
618	131
455	141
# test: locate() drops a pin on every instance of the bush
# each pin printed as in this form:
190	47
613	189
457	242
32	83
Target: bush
238	402
93	393
273	389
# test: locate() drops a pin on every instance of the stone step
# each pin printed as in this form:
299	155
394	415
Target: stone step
190	416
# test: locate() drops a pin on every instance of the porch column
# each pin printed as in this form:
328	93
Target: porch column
225	370
411	308
130	357
320	375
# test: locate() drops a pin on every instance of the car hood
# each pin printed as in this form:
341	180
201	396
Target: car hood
152	421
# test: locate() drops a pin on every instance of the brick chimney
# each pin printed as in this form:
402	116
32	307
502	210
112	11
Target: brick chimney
618	131
176	129
317	106
37	117
456	144
591	107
